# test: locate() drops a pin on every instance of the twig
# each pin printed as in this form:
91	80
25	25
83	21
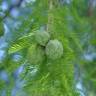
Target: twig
50	17
10	8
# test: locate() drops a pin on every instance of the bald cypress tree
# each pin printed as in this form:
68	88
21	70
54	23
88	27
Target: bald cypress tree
50	48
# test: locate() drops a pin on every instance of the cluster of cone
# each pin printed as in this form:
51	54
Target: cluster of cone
52	49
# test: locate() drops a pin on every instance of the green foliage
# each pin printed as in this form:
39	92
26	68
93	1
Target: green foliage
21	43
65	34
54	77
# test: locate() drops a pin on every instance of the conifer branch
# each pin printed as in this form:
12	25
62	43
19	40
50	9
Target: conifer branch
50	17
10	8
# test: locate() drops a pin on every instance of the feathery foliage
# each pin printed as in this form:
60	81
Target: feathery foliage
24	61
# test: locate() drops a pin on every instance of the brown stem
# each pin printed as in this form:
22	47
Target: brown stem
10	8
91	5
50	2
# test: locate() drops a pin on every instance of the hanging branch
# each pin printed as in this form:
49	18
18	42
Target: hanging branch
91	8
10	8
52	4
91	5
50	17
